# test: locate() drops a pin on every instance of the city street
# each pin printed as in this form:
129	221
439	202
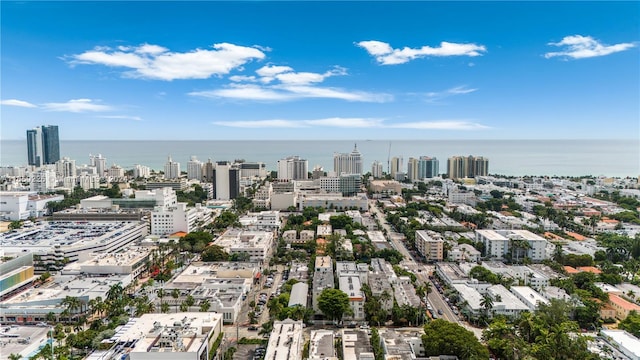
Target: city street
422	271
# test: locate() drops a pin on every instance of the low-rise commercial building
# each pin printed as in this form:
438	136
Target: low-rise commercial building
173	336
57	243
257	244
322	279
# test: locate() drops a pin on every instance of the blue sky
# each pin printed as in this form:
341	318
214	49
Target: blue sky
321	70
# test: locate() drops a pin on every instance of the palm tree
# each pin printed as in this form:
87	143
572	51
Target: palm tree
205	305
175	294
184	306
486	303
15	356
164	307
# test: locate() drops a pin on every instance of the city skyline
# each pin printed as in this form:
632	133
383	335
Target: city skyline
310	70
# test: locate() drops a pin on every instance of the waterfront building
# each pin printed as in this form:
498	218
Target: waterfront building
194	169
350	163
459	167
66	167
396	167
171	169
376	170
43	145
428	167
412	169
141	171
293	168
99	162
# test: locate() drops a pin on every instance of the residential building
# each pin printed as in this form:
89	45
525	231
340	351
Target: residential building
350	163
430	245
332	200
194	169
252	170
412	169
258	245
517	243
115	172
463	252
298	296
622	306
624	342
356	345
66	167
43	145
171	169
376	170
529	297
226	181
321	345
285	342
99	162
396	167
322	279
168	220
141	171
459	167
42	180
351	285
293	168
428	167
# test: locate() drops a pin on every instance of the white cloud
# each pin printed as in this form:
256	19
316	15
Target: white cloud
436	96
386	55
123	117
19	103
272	70
288	93
158	63
582	47
241	78
77	106
354	123
440	125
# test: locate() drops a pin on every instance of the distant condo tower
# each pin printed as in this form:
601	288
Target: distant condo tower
43	145
459	167
171	169
293	168
348	163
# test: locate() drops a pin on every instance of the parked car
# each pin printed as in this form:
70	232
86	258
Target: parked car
253	328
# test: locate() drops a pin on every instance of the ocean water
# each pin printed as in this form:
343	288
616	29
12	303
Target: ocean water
506	157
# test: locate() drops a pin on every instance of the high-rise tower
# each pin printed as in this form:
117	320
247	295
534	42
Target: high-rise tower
43	145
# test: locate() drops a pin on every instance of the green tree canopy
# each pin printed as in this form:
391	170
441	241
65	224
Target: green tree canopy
445	338
334	303
631	323
214	253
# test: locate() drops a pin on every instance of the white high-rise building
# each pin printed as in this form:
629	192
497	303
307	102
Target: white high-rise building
293	168
376	169
194	169
43	181
226	181
115	172
171	169
66	167
350	163
141	171
88	181
99	162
